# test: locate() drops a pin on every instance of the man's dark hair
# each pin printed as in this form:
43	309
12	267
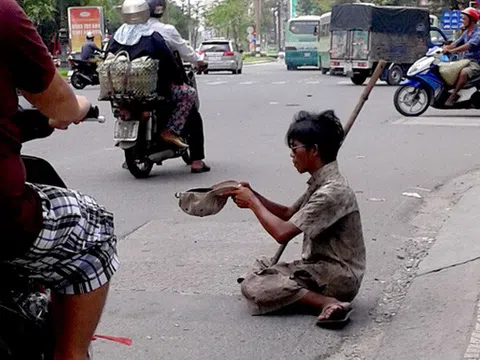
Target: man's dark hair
323	130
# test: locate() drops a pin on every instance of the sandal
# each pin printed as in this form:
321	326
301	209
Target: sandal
203	169
339	318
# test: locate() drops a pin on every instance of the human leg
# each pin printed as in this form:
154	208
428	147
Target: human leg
75	319
183	97
194	128
74	256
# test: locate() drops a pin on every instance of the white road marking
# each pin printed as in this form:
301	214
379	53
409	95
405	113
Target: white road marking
279	82
312	82
439	121
216	83
247	83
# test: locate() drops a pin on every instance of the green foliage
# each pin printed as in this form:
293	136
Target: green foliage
230	18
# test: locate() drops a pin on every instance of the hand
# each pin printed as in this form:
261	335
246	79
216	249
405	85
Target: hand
244	197
446	50
84	105
57	124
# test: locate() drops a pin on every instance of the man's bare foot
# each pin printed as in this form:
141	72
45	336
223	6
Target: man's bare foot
335	311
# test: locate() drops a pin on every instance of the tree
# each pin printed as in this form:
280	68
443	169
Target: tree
230	18
39	10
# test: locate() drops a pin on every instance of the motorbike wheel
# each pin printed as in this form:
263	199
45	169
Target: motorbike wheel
359	79
77	81
395	75
139	168
186	158
411	101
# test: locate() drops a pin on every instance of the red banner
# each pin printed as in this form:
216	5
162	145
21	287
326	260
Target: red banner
82	20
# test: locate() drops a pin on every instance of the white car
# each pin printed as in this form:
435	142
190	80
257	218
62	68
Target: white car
222	55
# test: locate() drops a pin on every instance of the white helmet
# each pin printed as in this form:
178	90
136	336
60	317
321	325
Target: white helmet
135	11
90	35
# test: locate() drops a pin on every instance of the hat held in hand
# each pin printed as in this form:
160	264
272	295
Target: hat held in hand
206	201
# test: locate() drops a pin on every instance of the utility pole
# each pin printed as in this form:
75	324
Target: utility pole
258	16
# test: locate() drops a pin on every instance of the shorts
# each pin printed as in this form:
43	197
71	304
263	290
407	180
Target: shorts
75	253
472	70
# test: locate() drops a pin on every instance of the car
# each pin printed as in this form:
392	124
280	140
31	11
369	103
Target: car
222	55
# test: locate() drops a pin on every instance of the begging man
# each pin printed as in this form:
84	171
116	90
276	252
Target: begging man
330	273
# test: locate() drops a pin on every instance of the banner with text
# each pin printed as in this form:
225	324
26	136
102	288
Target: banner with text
82	20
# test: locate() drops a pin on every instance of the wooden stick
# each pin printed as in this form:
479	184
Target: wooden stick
363	98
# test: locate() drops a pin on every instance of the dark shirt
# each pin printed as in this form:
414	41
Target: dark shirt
25	64
89	49
155	47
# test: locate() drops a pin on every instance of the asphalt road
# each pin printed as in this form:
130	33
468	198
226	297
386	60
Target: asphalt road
176	294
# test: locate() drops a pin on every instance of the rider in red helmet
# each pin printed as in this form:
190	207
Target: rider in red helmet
468	43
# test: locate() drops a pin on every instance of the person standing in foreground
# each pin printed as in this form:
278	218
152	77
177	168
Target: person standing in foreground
329	275
62	238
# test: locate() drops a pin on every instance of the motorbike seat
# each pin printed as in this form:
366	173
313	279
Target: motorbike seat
449	71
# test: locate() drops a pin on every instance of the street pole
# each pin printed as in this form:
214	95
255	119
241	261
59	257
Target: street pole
258	10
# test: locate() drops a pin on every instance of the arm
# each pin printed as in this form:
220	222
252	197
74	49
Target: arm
282	231
34	72
281	211
177	43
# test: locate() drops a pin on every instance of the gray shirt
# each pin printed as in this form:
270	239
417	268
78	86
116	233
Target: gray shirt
329	217
88	50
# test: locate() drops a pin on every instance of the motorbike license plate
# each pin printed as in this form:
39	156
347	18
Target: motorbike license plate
126	130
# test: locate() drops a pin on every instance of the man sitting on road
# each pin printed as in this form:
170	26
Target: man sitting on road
469	43
333	261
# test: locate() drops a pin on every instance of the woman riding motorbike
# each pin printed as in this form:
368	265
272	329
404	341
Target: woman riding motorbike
137	38
62	238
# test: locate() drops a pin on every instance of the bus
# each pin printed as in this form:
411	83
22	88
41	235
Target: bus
324	36
301	42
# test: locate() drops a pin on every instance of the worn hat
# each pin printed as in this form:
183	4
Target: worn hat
205	201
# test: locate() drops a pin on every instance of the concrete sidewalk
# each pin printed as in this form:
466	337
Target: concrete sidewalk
439	317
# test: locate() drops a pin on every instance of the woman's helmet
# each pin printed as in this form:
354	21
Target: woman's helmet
157	7
135	12
472	13
90	35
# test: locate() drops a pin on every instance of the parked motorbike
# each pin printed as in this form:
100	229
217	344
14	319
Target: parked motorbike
137	131
429	83
25	328
82	73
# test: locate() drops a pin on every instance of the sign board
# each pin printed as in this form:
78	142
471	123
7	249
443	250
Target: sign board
250	29
82	20
451	19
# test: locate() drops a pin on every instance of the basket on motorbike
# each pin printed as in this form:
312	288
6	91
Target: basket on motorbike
122	79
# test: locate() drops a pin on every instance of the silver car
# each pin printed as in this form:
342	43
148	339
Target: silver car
222	55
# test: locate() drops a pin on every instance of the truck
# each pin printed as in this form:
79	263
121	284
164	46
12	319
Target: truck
364	34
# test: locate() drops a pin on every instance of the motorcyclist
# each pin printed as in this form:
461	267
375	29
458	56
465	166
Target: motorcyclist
187	54
137	38
90	49
62	238
468	43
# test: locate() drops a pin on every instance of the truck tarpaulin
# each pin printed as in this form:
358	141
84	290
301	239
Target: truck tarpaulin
394	34
380	19
82	20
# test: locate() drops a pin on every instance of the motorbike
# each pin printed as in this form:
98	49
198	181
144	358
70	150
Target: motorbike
82	73
26	330
429	83
137	131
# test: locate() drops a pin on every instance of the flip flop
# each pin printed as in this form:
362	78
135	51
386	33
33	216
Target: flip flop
338	319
